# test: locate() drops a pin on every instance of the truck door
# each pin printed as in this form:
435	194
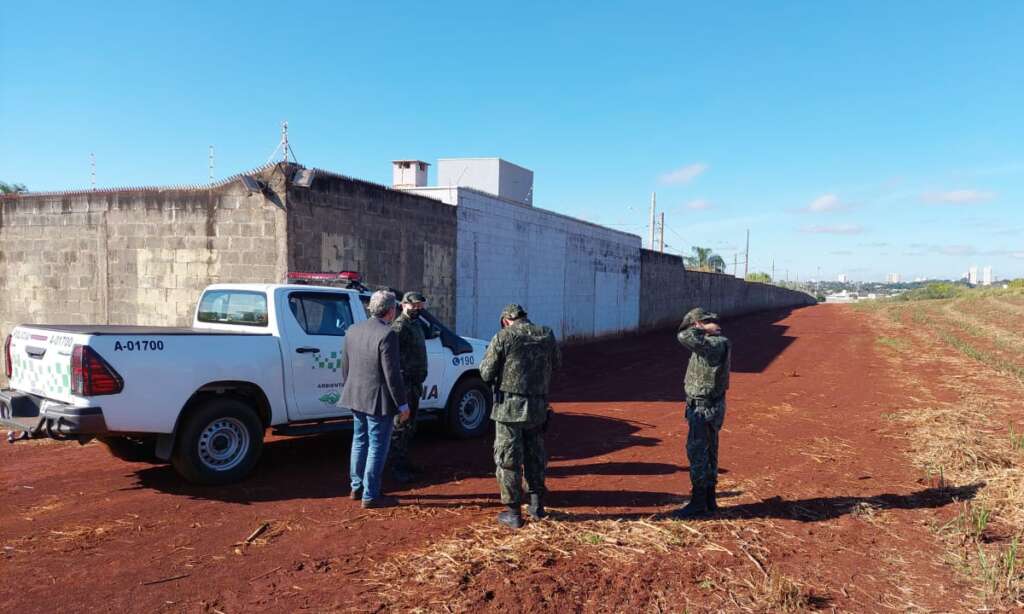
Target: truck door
313	325
433	390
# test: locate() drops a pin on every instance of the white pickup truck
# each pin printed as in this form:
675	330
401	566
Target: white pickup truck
256	356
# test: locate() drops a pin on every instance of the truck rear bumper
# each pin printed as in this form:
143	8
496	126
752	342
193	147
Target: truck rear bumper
25	412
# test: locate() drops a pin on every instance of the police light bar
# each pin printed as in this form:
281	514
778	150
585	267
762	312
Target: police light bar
324	276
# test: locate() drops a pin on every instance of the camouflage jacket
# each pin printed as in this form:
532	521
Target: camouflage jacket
518	365
412	349
707	375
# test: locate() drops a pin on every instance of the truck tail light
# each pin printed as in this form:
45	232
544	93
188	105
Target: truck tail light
8	367
91	375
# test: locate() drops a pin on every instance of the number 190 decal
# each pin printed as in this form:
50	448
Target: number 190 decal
463	360
144	345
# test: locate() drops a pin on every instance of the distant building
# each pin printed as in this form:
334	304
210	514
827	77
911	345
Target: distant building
986	276
972	275
893	278
841	278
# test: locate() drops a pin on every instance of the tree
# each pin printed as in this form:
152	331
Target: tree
12	188
703	259
764	278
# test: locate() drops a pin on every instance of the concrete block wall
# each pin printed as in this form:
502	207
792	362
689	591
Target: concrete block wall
392	237
668	291
580	279
131	256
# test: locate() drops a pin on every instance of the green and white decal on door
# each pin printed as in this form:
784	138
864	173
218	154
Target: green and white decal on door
331	398
321	361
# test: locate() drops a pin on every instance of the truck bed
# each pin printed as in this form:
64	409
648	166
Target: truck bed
114	329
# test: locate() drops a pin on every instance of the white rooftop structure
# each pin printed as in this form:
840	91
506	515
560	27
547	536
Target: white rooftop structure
492	175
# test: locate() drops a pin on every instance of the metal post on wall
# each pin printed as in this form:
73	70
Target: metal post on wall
746	263
662	230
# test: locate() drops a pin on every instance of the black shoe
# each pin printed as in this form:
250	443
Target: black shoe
356	494
511	517
696	508
712	498
379	503
536	507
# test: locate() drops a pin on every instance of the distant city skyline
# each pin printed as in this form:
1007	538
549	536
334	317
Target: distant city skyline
856	139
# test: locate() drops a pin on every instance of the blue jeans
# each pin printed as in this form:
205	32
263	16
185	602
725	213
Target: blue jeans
371	436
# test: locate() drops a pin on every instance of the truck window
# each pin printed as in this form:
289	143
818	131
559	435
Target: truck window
320	313
233	307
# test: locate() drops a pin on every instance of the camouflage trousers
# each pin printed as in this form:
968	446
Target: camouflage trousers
705	419
403	433
519	446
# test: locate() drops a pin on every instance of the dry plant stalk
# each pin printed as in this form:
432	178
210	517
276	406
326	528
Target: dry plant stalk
967	443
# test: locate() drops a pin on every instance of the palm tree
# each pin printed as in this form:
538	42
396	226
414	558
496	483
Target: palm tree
11	188
703	259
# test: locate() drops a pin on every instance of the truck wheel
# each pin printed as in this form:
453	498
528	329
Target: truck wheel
218	443
469	407
132	449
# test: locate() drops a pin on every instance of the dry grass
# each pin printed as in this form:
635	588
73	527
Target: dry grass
442	574
967	442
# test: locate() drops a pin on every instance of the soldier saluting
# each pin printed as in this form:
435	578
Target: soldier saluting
707	379
518	366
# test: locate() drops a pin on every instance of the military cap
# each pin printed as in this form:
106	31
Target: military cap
697	314
414	297
512	311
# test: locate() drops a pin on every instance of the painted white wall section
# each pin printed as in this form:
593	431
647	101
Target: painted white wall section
580	279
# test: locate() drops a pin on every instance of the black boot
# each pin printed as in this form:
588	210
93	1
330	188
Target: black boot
712	499
696	508
536	507
511	517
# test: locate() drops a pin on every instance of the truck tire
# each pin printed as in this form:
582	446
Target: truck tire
469	408
218	443
131	448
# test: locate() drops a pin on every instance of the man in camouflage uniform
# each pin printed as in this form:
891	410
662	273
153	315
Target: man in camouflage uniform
707	379
412	352
518	366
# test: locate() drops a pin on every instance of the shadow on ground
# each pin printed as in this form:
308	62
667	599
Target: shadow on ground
816	509
649	366
317	466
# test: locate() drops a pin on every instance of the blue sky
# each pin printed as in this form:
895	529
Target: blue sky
850	137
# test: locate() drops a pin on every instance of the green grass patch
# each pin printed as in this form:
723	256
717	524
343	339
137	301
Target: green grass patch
895	343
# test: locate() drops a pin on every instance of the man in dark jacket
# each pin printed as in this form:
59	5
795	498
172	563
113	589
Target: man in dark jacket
518	365
412	346
707	379
374	391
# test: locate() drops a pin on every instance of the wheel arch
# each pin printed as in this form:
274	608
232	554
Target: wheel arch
247	391
468	374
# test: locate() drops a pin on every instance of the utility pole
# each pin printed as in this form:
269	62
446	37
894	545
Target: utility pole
746	265
773	269
210	169
735	264
92	170
654	201
662	230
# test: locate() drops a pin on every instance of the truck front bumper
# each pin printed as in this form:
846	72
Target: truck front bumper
35	418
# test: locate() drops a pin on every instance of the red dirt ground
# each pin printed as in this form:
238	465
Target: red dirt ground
805	447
